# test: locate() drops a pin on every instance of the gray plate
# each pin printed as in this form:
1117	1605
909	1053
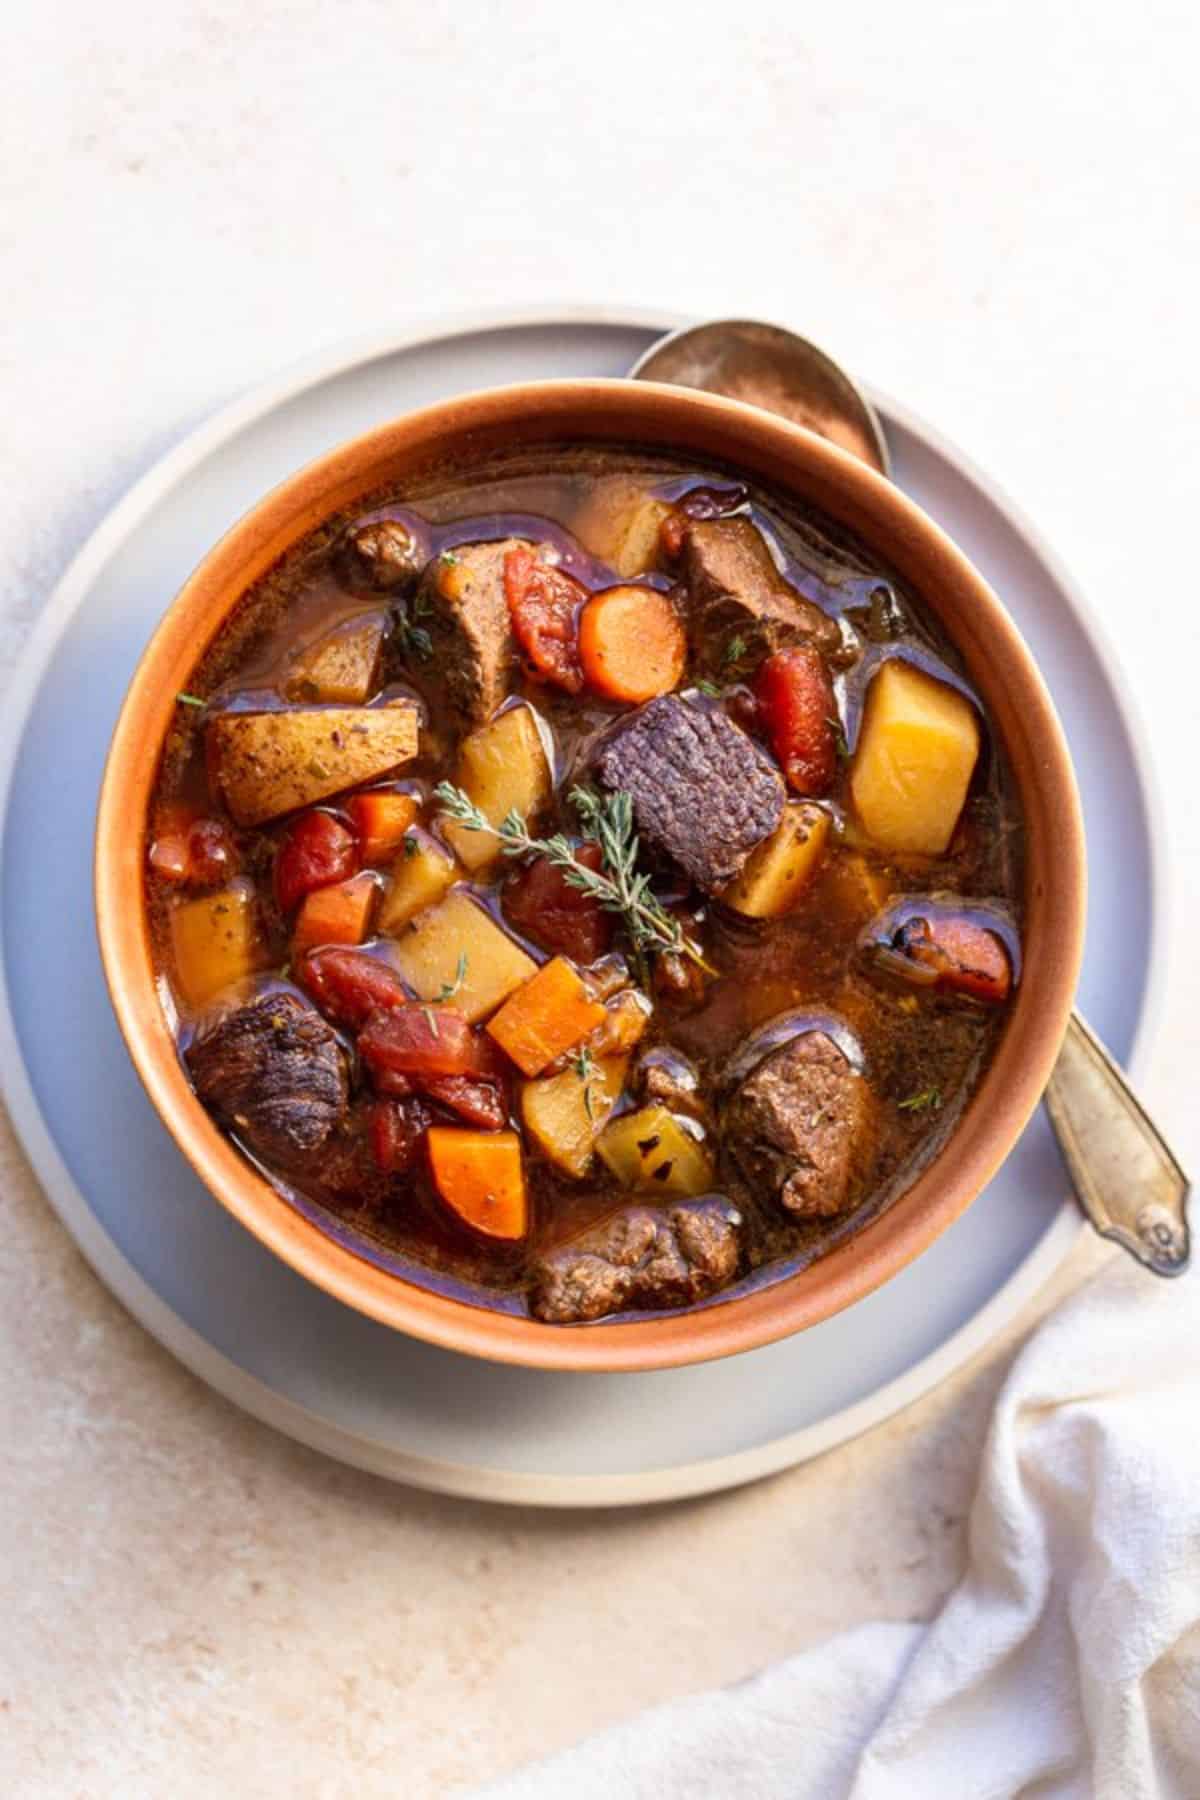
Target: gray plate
247	1324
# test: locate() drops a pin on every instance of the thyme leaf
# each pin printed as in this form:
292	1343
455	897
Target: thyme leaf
930	1097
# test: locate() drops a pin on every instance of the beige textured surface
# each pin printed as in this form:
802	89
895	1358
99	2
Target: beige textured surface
990	211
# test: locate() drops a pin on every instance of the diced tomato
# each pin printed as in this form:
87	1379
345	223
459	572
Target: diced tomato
541	904
317	850
202	854
391	1083
796	695
965	956
421	1041
544	602
479	1103
381	817
396	1129
349	985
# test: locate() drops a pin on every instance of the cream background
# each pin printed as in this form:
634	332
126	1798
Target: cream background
991	212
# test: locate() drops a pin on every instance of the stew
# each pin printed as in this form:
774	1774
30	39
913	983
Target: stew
585	884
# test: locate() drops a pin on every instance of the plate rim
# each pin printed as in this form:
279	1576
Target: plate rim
219	1371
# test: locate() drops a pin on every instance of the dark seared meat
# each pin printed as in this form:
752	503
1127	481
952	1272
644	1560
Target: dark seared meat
701	790
640	1259
273	1072
736	592
463	605
797	1128
385	555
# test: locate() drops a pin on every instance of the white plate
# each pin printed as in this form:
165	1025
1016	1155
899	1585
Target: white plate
258	1332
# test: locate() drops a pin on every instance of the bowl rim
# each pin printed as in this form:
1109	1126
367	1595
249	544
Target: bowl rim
640	414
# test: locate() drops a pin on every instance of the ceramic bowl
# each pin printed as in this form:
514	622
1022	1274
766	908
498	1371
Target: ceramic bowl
788	459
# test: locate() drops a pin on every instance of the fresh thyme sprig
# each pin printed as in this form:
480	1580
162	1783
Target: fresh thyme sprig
413	639
620	888
584	1065
930	1097
450	988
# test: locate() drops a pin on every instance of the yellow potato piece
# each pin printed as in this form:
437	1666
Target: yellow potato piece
429	955
216	941
272	763
501	766
916	753
654	1150
343	665
619	523
556	1115
421	873
781	868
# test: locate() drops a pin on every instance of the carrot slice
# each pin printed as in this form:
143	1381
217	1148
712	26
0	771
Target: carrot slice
381	817
340	914
551	1013
480	1177
632	643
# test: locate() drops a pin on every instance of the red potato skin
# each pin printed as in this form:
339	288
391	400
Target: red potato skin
540	903
349	985
316	850
797	706
543	603
967	958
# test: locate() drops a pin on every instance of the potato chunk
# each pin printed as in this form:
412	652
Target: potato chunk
619	523
501	766
778	872
458	933
216	941
271	763
564	1114
916	753
422	872
654	1150
343	665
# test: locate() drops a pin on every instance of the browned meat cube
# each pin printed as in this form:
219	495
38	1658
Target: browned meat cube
741	606
274	1073
701	790
383	555
640	1259
797	1129
464	608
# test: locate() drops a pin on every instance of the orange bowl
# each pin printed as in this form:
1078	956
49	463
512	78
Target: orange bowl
791	461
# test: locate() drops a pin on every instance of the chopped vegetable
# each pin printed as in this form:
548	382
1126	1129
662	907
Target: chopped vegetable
316	851
422	873
552	1012
541	903
656	1150
778	873
340	914
952	953
216	941
480	1177
428	954
479	1103
342	665
419	1041
565	1113
916	754
270	763
349	985
381	817
796	697
543	602
396	1129
199	854
502	768
619	524
632	644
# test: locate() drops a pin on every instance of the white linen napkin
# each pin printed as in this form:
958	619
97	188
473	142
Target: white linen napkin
1066	1663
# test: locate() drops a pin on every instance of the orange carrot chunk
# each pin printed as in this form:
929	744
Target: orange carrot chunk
550	1014
340	914
632	643
480	1177
381	817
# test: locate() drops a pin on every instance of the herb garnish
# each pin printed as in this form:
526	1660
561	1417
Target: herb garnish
620	889
449	558
584	1065
735	649
711	688
839	737
930	1097
450	988
190	700
413	640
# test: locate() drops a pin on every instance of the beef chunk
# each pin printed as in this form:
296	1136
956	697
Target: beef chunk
384	554
798	1127
701	790
640	1259
273	1072
736	592
464	608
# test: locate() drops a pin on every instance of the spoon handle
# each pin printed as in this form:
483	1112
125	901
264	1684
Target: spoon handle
1125	1177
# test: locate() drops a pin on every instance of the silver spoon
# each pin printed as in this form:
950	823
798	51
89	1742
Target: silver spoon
1126	1179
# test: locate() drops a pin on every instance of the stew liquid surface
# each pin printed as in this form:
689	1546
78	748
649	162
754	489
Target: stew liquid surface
585	883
